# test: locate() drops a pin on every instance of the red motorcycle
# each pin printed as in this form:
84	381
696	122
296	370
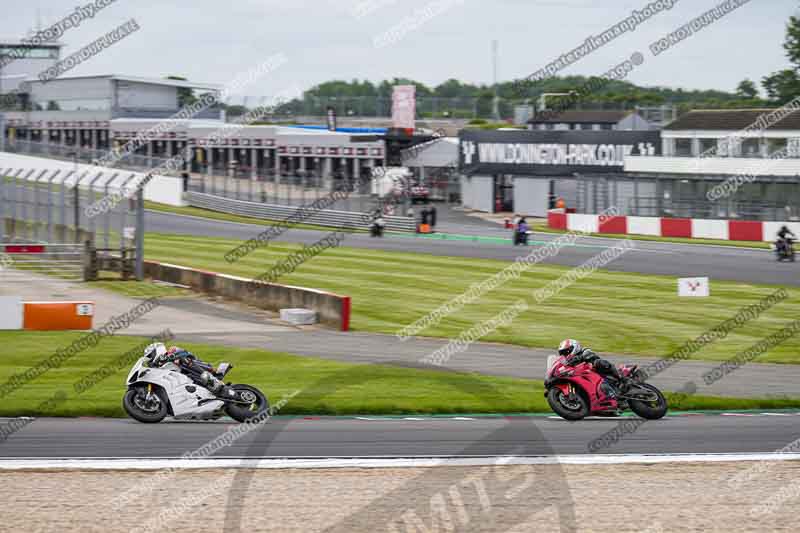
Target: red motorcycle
575	392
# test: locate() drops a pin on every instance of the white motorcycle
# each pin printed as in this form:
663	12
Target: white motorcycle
157	389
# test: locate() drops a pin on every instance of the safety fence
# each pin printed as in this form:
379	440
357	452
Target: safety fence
157	187
321	217
49	214
65	261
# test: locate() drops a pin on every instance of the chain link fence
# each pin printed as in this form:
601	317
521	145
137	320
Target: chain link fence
47	226
82	154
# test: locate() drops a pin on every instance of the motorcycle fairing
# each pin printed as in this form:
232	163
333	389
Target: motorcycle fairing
200	403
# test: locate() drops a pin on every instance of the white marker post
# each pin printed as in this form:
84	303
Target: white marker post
699	287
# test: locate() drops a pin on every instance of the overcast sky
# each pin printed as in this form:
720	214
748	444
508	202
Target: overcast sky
213	41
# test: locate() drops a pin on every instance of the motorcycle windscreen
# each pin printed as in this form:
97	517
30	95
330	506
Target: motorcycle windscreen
551	360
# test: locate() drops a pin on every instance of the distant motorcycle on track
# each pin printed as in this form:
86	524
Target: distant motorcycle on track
784	249
158	390
575	392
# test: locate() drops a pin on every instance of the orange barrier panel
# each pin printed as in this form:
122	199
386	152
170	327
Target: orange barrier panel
52	316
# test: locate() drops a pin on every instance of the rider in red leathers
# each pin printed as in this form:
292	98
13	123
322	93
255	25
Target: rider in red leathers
576	354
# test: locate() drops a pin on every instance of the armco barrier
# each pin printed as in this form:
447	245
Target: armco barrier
692	228
333	310
321	217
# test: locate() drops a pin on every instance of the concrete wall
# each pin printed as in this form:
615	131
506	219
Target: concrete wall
531	196
332	309
737	230
10	312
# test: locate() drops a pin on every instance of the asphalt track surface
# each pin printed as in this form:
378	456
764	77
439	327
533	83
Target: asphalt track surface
681	260
401	437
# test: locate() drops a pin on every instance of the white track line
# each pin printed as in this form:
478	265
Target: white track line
378	462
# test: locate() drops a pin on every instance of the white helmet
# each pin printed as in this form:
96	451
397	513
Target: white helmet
155	351
569	347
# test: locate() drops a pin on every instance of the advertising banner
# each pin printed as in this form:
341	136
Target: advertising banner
552	152
404	106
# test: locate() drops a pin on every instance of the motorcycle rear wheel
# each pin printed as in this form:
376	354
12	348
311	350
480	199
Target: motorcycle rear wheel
133	404
651	410
564	407
241	413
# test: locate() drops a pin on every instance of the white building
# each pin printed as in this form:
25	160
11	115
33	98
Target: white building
702	149
593	120
20	61
80	115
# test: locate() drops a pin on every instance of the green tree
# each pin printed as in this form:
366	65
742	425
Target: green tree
784	85
747	89
235	110
185	95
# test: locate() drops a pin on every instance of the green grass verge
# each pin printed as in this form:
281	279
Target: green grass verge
615	312
325	387
216	215
544	228
140	289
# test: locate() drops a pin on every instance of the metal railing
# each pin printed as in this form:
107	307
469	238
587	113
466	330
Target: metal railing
322	217
293	190
65	261
81	154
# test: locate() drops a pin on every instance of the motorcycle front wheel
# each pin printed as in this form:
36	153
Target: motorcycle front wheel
257	403
653	408
139	408
566	408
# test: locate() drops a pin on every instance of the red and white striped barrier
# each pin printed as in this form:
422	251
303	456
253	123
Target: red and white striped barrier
690	228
